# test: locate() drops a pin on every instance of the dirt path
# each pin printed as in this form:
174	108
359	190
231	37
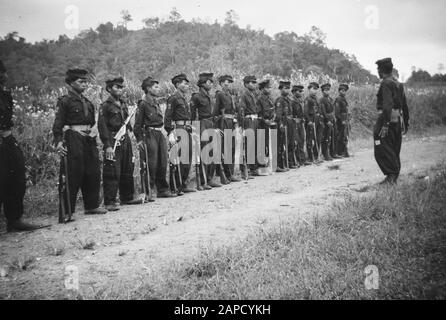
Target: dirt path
139	240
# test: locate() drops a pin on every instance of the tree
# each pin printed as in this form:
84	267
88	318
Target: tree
174	15
440	68
151	23
316	36
126	18
231	18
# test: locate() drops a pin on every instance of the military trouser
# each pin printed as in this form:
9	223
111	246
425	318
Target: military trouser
387	150
281	145
209	169
268	153
182	175
157	154
228	168
12	178
312	149
291	130
300	141
328	140
320	128
342	138
251	124
84	170
118	174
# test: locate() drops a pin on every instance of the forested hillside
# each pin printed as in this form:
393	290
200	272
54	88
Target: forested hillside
164	48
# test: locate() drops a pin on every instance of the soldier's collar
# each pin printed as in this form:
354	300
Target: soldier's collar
205	92
180	94
150	99
75	94
111	99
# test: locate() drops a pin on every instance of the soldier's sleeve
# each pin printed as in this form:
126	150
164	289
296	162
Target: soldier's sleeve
9	113
404	107
139	121
337	110
387	101
104	133
260	108
306	110
168	115
59	121
193	107
219	105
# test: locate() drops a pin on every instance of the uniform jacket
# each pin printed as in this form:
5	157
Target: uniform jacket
266	107
149	114
327	108
201	103
248	103
283	108
297	108
224	102
72	109
6	110
112	117
341	109
311	109
177	110
391	96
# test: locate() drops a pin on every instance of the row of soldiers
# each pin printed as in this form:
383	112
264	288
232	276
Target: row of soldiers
319	126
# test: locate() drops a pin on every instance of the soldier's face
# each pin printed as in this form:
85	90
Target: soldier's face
79	85
313	91
183	86
326	92
208	85
251	85
298	93
226	84
155	89
285	91
342	92
116	90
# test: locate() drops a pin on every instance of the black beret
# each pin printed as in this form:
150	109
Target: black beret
111	82
178	78
284	84
384	61
314	85
297	87
148	82
224	78
203	77
264	83
343	86
75	74
249	79
325	86
2	67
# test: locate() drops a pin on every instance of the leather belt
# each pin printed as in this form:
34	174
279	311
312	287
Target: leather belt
182	122
155	128
229	116
81	128
251	116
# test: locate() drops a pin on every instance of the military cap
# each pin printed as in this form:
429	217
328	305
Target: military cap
224	78
75	74
385	64
178	78
297	87
264	83
284	84
343	86
325	86
111	82
249	79
314	85
203	77
148	82
2	67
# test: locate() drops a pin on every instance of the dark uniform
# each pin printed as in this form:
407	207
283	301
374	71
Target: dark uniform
297	106
311	111
342	124
84	172
267	116
148	128
248	114
178	116
328	113
12	164
226	118
117	173
394	114
201	109
282	107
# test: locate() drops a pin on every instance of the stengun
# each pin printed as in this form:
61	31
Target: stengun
64	191
123	130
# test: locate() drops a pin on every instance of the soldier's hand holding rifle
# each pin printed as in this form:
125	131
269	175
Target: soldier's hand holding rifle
109	154
61	150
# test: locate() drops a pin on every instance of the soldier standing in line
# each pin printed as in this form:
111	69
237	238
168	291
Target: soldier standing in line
282	104
342	119
78	143
117	173
327	108
178	116
311	111
248	113
392	122
148	130
267	113
12	164
225	115
201	110
297	106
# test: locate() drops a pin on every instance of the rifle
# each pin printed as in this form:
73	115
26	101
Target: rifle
198	160
64	192
245	162
122	131
286	145
295	143
145	171
175	167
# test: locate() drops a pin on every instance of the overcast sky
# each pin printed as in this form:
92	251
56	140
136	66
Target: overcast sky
411	32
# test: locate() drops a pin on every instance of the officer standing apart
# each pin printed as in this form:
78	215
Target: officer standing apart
297	106
392	122
178	116
327	108
77	114
117	173
225	114
248	109
12	164
148	131
201	110
342	119
283	104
